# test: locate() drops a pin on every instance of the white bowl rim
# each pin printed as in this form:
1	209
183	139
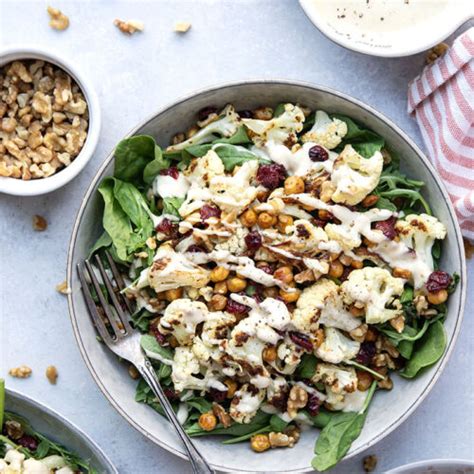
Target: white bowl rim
380	116
431	462
34	187
417	47
64	421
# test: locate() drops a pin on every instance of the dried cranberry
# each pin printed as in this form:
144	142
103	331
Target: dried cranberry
165	226
218	395
280	401
206	111
28	442
314	404
170	394
318	153
301	340
366	353
253	240
208	211
387	227
172	171
271	176
245	114
236	308
159	336
195	249
266	267
438	280
302	231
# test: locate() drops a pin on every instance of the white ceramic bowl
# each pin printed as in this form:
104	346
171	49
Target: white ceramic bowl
388	409
408	39
33	187
436	466
54	426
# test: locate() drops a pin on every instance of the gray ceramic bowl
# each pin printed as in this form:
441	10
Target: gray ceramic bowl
436	466
54	426
111	375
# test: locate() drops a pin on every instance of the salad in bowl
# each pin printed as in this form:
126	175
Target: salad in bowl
281	269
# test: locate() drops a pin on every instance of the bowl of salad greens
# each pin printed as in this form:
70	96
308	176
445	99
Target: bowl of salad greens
294	266
34	438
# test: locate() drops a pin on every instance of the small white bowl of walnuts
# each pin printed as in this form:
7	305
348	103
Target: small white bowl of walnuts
49	121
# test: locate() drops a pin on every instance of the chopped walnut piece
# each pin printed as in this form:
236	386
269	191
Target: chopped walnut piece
133	372
129	27
52	374
63	288
436	52
59	21
14	429
297	399
468	248
39	223
370	463
182	26
221	415
21	372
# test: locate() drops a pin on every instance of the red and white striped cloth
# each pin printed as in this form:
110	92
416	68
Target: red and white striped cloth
442	101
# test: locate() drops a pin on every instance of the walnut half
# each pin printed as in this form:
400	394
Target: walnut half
297	399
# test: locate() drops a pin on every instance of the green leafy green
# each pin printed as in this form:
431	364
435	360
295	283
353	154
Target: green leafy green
234	155
454	283
307	367
153	168
200	404
337	436
141	320
153	350
278	424
427	351
321	419
103	241
171	205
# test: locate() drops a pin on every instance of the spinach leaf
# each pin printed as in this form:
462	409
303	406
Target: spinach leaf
245	437
337	436
454	283
279	109
103	241
171	205
307	367
233	155
153	168
141	320
321	419
153	350
364	141
132	155
428	351
277	424
200	404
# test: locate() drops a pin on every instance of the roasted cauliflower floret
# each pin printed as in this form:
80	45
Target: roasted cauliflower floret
171	270
312	300
201	170
216	328
353	401
419	233
375	290
225	126
245	404
345	236
337	379
185	365
326	132
181	319
281	129
304	237
354	176
336	347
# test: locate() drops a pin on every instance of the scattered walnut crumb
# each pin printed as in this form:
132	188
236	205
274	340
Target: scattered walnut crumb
52	374
59	21
436	52
39	223
468	248
21	372
133	372
129	27
63	288
370	463
182	27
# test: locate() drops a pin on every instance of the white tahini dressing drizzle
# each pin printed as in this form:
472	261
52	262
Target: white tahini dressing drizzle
167	186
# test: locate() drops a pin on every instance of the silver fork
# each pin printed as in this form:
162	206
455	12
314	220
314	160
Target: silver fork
125	341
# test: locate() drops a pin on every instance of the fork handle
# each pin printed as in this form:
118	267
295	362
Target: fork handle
199	464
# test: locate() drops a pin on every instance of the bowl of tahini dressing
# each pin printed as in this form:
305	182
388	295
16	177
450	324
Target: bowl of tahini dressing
389	28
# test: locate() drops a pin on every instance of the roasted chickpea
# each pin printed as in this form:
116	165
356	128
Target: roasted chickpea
324	215
207	421
231	387
174	294
336	269
345	260
173	342
401	273
220	288
284	274
370	200
271	292
263	113
236	284
371	335
437	297
294	185
219	274
217	302
333	256
386	384
364	380
260	443
283	222
266	220
178	138
248	218
192	131
357	312
357	264
289	296
269	354
319	337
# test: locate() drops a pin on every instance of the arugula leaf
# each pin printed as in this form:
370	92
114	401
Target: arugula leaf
307	367
153	350
384	203
171	205
364	141
337	436
132	155
428	351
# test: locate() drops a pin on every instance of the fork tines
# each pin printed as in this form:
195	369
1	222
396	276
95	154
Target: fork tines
113	309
